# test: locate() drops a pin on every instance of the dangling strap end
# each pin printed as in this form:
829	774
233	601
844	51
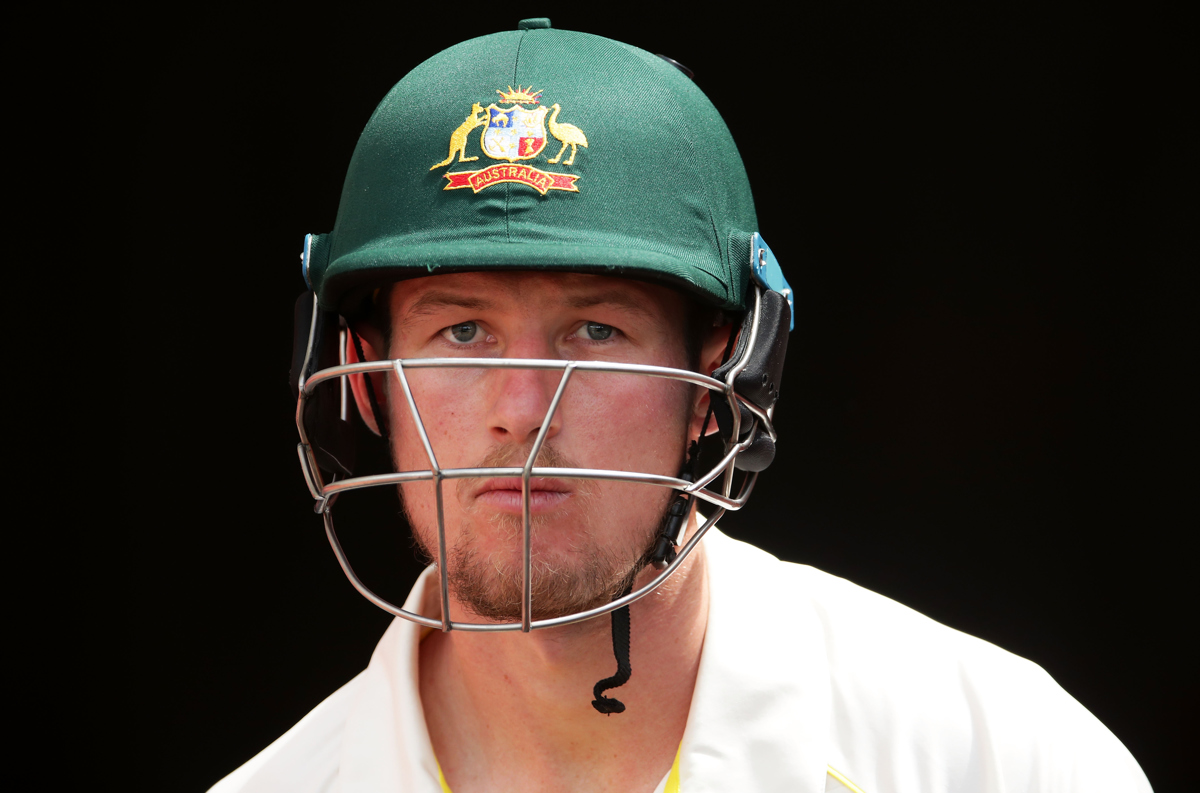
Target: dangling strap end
620	637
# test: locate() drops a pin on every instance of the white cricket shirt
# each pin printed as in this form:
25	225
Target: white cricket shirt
807	683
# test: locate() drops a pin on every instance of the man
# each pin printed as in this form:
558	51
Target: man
545	337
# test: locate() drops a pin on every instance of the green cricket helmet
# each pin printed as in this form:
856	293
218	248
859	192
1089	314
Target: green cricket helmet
544	149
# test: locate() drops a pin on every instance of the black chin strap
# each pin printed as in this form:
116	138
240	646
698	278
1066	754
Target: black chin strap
620	636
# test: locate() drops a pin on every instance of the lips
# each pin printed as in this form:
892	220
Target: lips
504	494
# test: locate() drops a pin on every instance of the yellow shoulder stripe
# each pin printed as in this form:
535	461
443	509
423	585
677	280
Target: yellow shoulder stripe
840	777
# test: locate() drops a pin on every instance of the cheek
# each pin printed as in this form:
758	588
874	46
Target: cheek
450	407
408	454
640	427
629	423
451	410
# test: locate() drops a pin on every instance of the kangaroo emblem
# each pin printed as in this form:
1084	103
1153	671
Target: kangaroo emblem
458	139
568	134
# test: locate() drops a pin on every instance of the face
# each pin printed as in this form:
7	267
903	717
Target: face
588	537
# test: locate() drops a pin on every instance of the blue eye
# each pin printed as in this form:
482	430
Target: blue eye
464	332
597	332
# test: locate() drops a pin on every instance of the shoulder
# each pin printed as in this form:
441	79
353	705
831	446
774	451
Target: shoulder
918	705
305	759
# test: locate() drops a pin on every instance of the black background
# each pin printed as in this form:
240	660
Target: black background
983	411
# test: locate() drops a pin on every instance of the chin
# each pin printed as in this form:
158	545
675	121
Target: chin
579	575
574	567
491	588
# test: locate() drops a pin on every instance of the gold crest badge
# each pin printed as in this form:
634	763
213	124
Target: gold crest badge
514	133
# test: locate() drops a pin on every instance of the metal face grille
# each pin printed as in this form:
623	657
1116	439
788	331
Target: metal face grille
326	493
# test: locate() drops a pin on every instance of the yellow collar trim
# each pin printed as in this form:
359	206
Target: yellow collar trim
840	777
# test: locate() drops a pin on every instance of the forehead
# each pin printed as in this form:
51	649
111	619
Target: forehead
521	292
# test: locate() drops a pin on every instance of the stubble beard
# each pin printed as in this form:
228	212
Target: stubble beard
588	574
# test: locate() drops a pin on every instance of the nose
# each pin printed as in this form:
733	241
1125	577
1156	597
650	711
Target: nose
520	400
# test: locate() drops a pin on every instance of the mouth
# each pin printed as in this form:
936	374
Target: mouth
503	494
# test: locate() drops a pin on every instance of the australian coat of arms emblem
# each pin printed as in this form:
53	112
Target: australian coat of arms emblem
514	133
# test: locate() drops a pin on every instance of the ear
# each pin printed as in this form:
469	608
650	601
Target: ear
710	358
358	382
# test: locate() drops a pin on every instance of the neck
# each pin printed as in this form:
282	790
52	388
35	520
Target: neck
513	710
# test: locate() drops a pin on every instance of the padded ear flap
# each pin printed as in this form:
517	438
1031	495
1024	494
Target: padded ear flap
760	379
315	347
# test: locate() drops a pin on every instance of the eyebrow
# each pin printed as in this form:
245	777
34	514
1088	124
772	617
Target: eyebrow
613	297
430	302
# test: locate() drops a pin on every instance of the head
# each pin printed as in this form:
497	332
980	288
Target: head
599	214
